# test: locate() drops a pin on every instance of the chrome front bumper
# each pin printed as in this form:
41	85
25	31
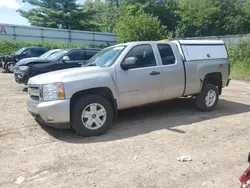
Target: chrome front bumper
52	112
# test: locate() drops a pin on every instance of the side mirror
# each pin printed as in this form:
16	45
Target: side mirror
129	63
65	58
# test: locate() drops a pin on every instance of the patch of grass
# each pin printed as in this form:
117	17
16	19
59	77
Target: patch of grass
239	56
240	70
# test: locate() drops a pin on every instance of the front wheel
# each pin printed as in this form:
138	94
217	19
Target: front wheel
92	115
9	67
207	98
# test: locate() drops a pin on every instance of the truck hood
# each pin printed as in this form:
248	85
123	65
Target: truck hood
28	61
66	75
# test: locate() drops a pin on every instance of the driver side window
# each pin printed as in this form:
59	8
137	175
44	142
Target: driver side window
144	55
27	53
76	56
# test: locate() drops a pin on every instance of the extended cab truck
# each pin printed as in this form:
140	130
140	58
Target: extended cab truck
8	61
64	59
129	75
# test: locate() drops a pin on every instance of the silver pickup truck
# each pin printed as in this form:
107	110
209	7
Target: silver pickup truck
129	75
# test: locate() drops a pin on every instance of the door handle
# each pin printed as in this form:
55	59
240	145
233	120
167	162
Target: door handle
153	73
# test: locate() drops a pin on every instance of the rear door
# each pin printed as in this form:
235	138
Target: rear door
172	71
76	59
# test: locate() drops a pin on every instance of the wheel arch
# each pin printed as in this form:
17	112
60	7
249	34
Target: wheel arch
8	63
102	91
214	78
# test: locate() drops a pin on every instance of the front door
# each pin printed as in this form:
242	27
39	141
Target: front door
76	59
140	84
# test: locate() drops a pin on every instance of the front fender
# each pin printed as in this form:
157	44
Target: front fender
92	81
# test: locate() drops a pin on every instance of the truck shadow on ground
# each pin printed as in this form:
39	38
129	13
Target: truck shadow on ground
142	120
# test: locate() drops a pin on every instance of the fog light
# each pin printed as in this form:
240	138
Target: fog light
49	118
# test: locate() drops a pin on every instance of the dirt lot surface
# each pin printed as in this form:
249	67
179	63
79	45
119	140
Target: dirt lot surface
140	150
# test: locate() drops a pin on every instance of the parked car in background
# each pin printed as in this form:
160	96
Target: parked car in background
129	75
8	61
43	56
64	59
2	56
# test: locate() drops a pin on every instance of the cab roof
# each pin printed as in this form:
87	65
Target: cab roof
209	42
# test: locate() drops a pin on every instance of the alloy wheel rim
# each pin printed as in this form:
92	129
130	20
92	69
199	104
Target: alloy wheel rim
210	98
10	67
94	116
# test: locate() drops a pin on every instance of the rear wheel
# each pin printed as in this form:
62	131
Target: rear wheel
9	67
207	99
92	115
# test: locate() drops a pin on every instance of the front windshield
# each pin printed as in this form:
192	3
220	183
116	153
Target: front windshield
47	54
57	55
106	57
20	51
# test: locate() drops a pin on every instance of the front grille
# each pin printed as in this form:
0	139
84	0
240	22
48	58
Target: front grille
34	92
34	98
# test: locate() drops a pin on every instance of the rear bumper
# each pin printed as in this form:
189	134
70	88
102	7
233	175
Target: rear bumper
52	113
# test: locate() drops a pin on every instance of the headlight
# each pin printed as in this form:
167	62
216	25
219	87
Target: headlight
23	68
52	92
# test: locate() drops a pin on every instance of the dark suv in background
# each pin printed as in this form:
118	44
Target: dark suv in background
8	61
64	59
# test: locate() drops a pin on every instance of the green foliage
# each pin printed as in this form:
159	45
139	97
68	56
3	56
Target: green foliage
165	10
7	46
184	18
140	26
64	14
239	56
212	17
105	17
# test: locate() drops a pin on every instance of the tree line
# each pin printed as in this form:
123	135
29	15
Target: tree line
135	20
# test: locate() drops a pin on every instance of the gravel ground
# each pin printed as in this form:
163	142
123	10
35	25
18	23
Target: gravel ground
140	150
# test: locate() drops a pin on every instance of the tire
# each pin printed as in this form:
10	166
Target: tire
208	98
87	125
9	67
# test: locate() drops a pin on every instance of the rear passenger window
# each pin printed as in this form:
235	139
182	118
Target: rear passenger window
167	55
89	54
76	55
38	52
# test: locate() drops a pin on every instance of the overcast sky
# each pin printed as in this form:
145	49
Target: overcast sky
8	12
